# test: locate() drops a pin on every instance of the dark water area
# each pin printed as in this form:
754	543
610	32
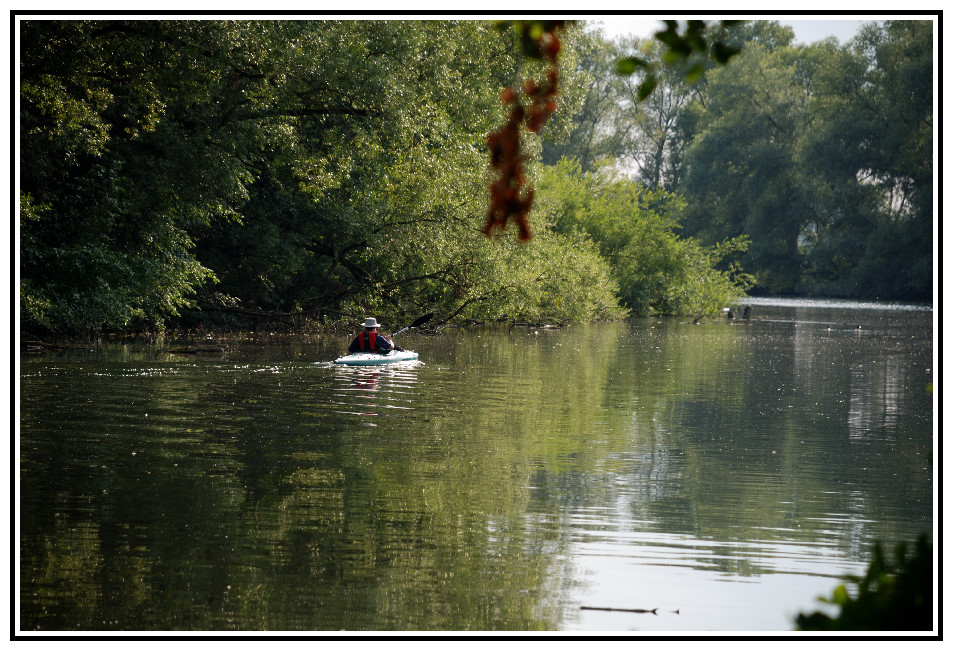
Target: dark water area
730	471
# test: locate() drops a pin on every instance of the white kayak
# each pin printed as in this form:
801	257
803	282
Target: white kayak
377	359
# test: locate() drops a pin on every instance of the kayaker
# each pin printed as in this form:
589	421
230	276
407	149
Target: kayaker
371	341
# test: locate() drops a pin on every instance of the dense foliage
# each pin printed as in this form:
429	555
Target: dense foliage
281	170
894	596
822	155
637	232
304	171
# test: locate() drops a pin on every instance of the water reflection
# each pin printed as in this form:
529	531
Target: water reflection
728	473
874	399
372	391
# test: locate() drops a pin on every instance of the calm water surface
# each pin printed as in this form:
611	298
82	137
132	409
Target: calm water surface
731	473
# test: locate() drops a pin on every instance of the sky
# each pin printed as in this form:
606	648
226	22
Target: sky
806	30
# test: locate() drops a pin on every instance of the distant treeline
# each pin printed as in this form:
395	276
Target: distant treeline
311	171
821	154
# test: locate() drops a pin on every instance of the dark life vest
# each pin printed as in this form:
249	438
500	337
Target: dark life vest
367	340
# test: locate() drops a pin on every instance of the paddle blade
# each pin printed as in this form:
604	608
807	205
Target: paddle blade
419	322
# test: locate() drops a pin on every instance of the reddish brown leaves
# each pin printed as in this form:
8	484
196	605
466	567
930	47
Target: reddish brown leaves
510	197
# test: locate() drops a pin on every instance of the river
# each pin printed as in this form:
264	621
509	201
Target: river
723	475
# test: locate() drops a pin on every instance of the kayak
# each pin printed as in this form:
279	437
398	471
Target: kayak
377	359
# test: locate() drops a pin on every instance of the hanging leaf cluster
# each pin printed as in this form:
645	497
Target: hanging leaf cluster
530	106
691	49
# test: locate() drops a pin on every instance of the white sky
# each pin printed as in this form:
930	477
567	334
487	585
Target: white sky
806	29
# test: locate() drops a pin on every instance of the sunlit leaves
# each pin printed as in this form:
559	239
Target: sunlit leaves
656	270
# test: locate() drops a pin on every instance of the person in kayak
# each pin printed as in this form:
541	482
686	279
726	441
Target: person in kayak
371	341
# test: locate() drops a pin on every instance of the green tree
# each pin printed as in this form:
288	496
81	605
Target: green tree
333	218
690	48
396	235
742	175
314	168
635	91
873	142
585	140
822	154
100	242
769	35
135	135
636	231
644	129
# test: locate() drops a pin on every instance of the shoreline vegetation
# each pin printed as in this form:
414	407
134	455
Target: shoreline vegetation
193	174
204	336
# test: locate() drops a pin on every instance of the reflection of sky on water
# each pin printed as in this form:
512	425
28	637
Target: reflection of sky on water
875	395
824	385
768	602
830	303
763	582
875	381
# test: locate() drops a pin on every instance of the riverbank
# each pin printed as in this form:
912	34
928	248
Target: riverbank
208	333
207	339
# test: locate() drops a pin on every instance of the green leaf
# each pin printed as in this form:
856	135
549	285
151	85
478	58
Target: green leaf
647	87
694	37
628	65
674	57
695	73
841	598
722	53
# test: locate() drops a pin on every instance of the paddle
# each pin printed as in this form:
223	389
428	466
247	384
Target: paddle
416	324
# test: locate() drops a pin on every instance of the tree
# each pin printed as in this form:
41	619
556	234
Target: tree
875	142
343	219
396	236
658	272
644	129
101	243
585	140
690	50
821	160
742	174
620	119
315	169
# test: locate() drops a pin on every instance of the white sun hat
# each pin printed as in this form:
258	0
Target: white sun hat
371	323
